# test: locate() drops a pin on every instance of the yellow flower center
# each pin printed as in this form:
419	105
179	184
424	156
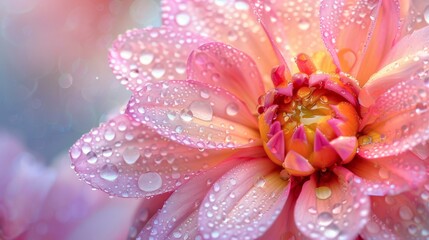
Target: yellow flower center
310	122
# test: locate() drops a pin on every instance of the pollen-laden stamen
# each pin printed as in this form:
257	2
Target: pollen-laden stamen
309	123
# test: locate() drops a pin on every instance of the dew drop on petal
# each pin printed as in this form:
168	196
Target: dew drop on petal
75	153
131	155
146	58
109	135
201	110
186	115
109	172
183	19
232	109
158	71
303	25
323	192
331	231
405	212
150	181
91	158
426	14
126	54
324	219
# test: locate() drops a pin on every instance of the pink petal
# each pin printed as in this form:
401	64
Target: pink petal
195	114
244	202
359	33
301	19
146	213
389	175
404	62
284	227
345	147
230	22
72	210
150	54
179	216
403	216
331	206
397	121
127	159
218	64
297	164
22	195
415	15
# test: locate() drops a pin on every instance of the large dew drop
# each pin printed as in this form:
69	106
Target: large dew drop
131	155
201	110
109	172
150	181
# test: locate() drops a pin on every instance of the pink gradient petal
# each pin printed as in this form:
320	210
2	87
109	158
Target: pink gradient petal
146	212
72	210
353	32
231	22
415	14
296	163
127	159
195	114
152	54
389	175
23	193
276	145
404	62
221	65
179	215
331	206
345	147
285	21
398	120
403	216
284	227
233	209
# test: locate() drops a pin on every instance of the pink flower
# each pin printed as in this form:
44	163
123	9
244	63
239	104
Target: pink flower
39	202
272	120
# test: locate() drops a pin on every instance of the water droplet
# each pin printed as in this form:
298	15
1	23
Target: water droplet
109	172
131	155
91	158
109	135
146	58
158	71
331	231
421	108
107	152
201	110
75	153
324	219
232	109
426	14
126	54
260	183
241	5
150	181
337	208
204	94
303	24
186	115
323	192
183	19
405	212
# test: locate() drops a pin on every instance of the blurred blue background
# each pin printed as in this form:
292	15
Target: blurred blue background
55	83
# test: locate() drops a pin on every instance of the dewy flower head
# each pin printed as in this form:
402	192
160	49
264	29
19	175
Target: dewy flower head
272	120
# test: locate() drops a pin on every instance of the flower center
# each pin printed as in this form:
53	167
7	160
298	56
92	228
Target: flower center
310	122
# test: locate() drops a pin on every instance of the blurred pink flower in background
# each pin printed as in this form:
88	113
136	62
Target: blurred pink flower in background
272	119
40	202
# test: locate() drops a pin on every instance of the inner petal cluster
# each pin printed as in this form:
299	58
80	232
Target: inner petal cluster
311	122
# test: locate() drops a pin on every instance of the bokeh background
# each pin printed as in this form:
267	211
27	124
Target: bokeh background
55	82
